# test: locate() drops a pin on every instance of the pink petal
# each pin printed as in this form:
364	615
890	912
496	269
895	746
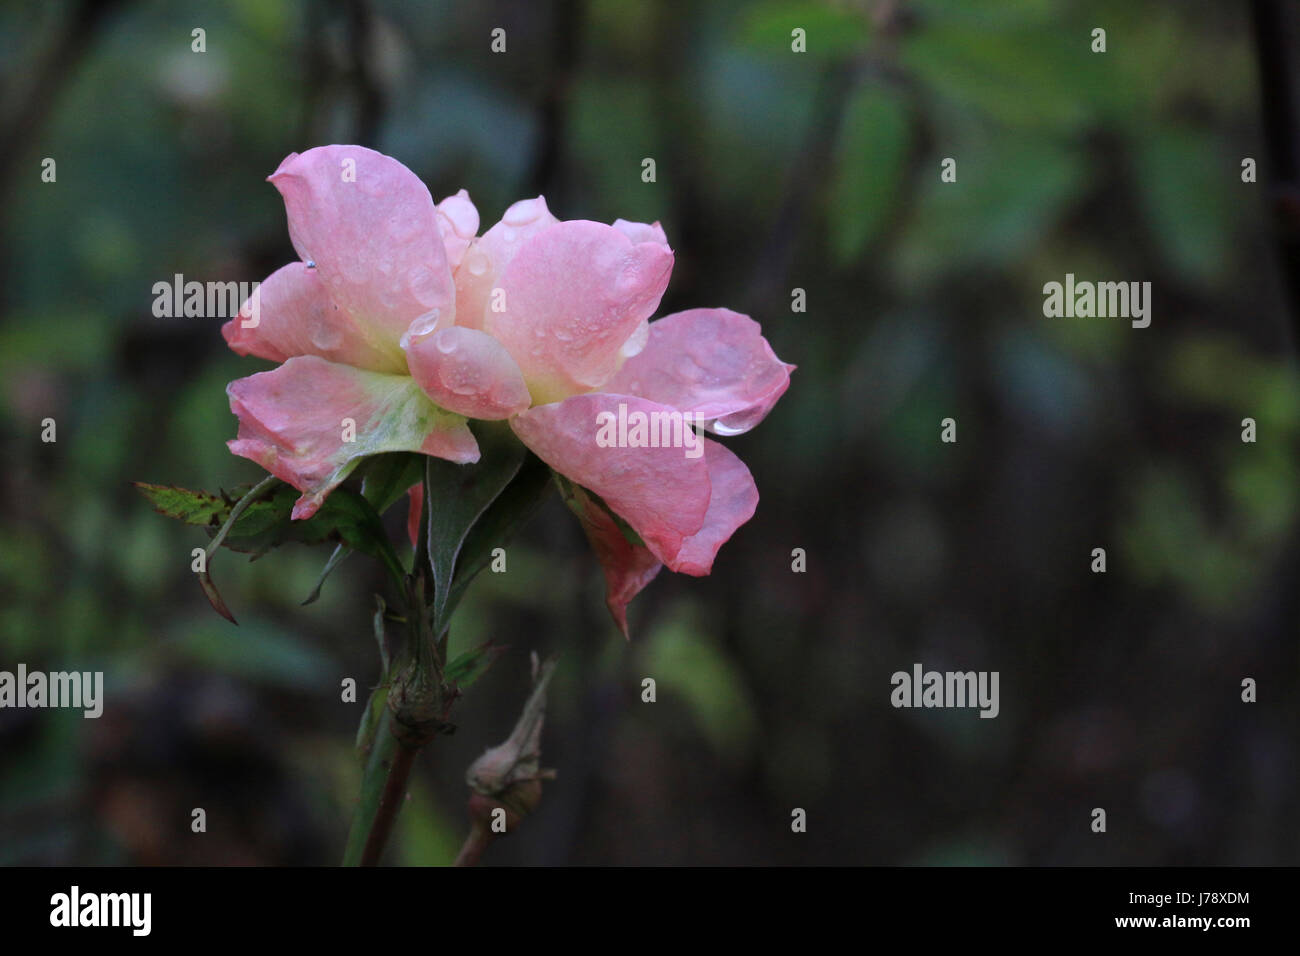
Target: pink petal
660	492
713	362
291	422
296	317
490	253
467	372
628	567
370	227
574	294
642	232
458	223
733	502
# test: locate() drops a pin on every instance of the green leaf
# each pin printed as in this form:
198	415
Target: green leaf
383	749
340	552
192	507
345	518
504	517
457	496
389	476
370	721
473	664
214	596
381	636
219	536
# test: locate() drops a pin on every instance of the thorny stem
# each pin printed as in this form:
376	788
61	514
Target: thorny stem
415	704
399	772
479	839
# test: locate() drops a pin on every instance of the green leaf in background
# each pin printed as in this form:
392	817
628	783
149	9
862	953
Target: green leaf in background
1009	72
430	835
256	652
1011	190
1181	174
830	31
869	169
687	660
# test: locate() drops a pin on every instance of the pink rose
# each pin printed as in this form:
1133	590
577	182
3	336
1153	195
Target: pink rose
401	323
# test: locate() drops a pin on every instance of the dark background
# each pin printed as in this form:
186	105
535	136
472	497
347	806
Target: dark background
776	171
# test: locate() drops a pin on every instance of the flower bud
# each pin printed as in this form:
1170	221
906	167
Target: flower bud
509	776
417	705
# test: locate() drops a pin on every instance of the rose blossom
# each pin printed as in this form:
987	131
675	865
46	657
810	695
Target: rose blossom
404	321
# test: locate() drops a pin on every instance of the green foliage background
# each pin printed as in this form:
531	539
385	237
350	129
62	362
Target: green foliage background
775	171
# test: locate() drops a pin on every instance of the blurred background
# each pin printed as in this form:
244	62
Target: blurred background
776	171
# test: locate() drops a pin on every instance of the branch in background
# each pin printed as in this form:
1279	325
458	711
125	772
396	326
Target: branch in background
811	169
547	176
340	73
813	163
361	49
32	103
1277	99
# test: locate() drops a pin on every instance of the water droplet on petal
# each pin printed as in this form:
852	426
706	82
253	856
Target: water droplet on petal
636	341
326	337
423	285
720	429
687	367
523	212
423	324
403	227
461	214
